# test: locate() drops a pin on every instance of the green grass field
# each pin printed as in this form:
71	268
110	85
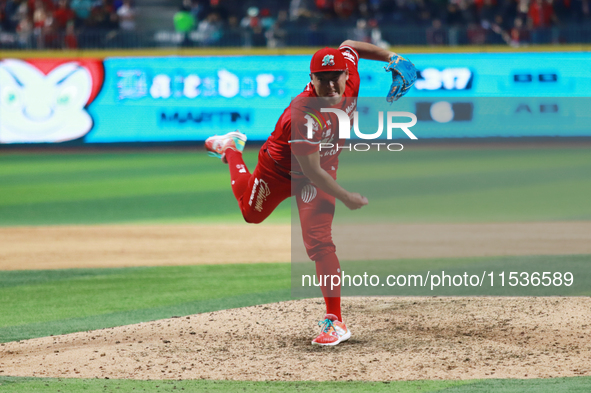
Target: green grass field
422	185
557	385
470	185
45	302
94	188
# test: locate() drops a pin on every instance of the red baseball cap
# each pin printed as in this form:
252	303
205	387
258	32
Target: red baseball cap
328	59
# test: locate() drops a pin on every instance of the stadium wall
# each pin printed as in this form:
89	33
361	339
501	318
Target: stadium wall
164	96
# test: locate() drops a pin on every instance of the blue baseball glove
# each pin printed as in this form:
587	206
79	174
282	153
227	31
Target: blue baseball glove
404	75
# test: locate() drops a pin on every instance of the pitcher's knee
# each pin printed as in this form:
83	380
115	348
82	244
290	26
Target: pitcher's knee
253	217
317	251
318	241
251	220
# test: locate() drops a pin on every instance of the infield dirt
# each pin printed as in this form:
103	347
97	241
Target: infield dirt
60	247
393	338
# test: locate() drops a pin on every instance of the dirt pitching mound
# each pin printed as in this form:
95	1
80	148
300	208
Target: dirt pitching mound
393	339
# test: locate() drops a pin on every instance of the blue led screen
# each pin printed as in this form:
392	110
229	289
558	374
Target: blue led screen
162	99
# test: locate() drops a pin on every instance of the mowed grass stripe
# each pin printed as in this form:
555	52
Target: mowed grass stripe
74	294
31	164
81	177
471	186
554	385
14	278
499	197
73	191
114	188
70	300
454	183
417	185
26	385
128	317
43	179
550	385
412	163
164	208
553	201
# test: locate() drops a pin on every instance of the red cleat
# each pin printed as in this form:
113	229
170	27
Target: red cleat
333	331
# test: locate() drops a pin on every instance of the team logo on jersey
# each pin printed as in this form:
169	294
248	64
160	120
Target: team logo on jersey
313	124
328	60
308	193
45	100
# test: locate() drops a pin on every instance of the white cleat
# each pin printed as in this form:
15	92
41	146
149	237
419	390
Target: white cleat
217	145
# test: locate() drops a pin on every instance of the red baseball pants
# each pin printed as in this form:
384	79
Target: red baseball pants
259	193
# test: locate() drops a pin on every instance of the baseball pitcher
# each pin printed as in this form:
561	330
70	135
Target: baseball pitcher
290	162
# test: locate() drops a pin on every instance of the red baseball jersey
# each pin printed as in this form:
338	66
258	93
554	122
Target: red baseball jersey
291	131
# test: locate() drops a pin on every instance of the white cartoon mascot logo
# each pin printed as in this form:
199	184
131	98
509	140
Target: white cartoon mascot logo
43	108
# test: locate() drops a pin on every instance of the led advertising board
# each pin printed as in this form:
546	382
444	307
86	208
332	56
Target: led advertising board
164	99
